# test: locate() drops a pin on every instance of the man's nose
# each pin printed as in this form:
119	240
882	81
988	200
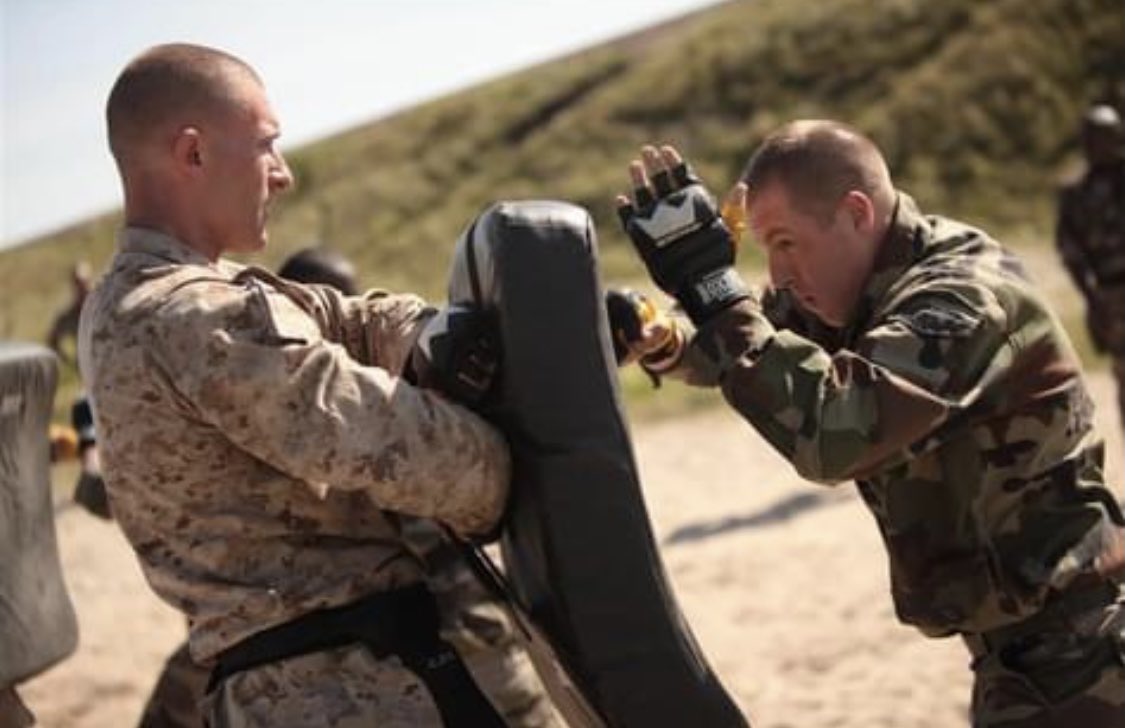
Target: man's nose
281	177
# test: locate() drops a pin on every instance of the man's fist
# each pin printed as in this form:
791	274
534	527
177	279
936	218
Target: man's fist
674	224
457	354
638	330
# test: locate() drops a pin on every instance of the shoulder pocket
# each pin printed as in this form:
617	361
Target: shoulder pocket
284	322
944	323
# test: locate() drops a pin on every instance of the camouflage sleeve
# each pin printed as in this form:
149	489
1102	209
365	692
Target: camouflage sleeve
685	364
376	328
1070	239
780	306
837	416
252	362
696	368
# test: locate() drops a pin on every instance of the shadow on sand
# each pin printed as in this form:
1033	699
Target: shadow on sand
784	510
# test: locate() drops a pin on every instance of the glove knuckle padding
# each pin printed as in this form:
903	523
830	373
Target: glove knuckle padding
674	217
687	249
684	176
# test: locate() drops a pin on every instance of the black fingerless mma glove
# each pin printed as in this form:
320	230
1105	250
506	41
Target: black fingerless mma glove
685	244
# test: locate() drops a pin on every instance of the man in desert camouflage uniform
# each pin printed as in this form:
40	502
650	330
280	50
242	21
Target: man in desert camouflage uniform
911	354
257	436
472	619
1090	235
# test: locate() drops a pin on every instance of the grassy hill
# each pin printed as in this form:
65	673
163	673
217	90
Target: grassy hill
975	103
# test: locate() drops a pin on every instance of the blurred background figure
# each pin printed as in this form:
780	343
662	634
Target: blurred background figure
472	620
323	266
1090	235
64	443
78	440
65	325
89	492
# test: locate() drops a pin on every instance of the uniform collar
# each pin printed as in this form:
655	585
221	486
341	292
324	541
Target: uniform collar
903	244
161	245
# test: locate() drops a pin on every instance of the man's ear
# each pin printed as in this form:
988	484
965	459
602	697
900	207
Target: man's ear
187	150
860	210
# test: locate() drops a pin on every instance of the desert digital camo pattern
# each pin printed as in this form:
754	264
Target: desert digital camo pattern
956	402
341	688
257	440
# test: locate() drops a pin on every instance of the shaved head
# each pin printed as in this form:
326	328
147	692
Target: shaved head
817	162
195	140
169	86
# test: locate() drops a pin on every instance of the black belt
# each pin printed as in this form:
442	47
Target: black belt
1056	614
1111	279
403	623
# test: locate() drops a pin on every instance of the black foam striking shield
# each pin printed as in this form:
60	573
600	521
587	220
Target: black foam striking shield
37	622
577	544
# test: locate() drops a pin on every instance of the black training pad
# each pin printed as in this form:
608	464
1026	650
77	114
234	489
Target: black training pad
37	624
577	543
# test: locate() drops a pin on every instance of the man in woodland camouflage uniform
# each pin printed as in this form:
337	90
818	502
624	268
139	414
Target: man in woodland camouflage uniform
1091	235
258	437
911	354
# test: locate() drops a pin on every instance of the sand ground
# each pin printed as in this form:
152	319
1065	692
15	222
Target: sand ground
783	582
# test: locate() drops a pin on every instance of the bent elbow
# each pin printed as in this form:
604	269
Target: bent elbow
478	502
825	470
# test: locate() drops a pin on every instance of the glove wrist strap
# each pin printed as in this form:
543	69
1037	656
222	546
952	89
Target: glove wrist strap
708	295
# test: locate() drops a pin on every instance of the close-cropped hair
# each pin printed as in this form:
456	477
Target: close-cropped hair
817	162
176	82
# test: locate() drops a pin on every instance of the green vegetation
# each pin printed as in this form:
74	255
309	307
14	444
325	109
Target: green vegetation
975	103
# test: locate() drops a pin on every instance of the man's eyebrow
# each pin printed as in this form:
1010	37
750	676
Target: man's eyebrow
772	232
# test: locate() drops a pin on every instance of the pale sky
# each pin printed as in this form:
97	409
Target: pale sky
327	64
